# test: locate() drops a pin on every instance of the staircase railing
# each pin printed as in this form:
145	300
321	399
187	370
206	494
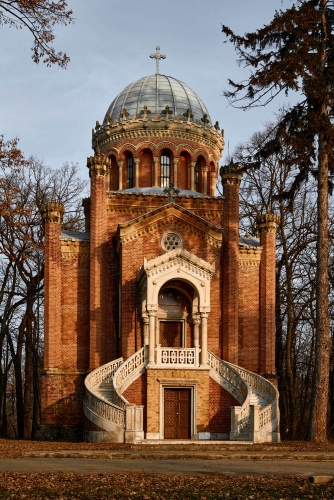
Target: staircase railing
128	372
229	378
103	413
268	417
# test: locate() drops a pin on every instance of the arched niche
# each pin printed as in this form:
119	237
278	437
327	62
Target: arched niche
146	171
183	170
113	174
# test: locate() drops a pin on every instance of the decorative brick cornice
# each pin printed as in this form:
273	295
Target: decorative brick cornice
267	223
170	214
250	256
52	212
74	249
138	128
98	165
231	174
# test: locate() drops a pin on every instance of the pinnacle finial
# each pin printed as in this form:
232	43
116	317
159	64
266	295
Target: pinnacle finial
157	56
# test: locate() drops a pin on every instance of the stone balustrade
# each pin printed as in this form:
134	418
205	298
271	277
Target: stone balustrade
265	421
106	414
129	371
229	378
177	357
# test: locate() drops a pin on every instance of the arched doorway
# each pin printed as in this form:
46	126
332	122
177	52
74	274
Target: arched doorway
173	315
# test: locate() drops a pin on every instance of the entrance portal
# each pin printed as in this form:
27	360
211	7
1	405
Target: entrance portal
171	334
177	413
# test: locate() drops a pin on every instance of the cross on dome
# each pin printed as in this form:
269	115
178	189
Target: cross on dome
157	56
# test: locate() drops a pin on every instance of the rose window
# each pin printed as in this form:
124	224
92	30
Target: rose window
171	241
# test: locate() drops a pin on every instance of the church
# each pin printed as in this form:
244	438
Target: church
160	317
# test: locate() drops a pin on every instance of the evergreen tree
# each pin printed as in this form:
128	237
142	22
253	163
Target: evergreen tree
295	52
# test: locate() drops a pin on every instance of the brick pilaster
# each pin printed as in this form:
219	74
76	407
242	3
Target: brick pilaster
267	225
231	177
52	214
98	170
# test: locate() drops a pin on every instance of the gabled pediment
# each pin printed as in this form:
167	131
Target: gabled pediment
169	214
180	258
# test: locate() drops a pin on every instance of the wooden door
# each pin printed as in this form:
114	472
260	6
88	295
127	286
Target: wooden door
177	413
170	333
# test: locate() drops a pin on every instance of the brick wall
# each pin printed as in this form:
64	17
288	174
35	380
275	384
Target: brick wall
249	338
267	302
52	297
146	169
220	408
75	312
230	268
137	394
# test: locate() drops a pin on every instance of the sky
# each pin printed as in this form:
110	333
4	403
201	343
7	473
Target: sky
52	110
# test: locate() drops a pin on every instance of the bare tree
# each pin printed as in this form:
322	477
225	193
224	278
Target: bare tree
21	245
40	18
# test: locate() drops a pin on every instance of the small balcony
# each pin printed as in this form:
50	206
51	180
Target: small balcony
177	357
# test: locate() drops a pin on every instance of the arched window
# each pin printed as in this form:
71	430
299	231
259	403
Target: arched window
129	171
165	170
196	177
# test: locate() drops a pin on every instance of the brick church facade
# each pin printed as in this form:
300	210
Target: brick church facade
159	318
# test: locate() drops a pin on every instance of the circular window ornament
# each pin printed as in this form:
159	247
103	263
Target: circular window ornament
171	241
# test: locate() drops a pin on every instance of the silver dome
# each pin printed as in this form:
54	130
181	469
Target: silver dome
156	92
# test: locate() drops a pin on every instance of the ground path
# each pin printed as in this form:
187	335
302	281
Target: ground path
169	467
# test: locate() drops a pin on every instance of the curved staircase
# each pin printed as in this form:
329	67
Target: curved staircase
255	420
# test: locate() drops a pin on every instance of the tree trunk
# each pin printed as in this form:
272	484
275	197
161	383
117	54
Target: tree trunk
317	430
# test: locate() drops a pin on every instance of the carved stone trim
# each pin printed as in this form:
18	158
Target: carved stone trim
231	174
98	165
52	212
267	223
179	257
178	381
64	371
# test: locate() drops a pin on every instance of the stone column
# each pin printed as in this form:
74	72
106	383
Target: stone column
152	321
204	338
136	179
146	330
98	170
52	214
120	174
267	225
175	161
156	166
213	179
205	179
192	175
231	178
196	323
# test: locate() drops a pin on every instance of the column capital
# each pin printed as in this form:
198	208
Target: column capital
98	165
52	212
205	168
231	174
196	320
267	223
192	164
136	161
152	311
175	161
